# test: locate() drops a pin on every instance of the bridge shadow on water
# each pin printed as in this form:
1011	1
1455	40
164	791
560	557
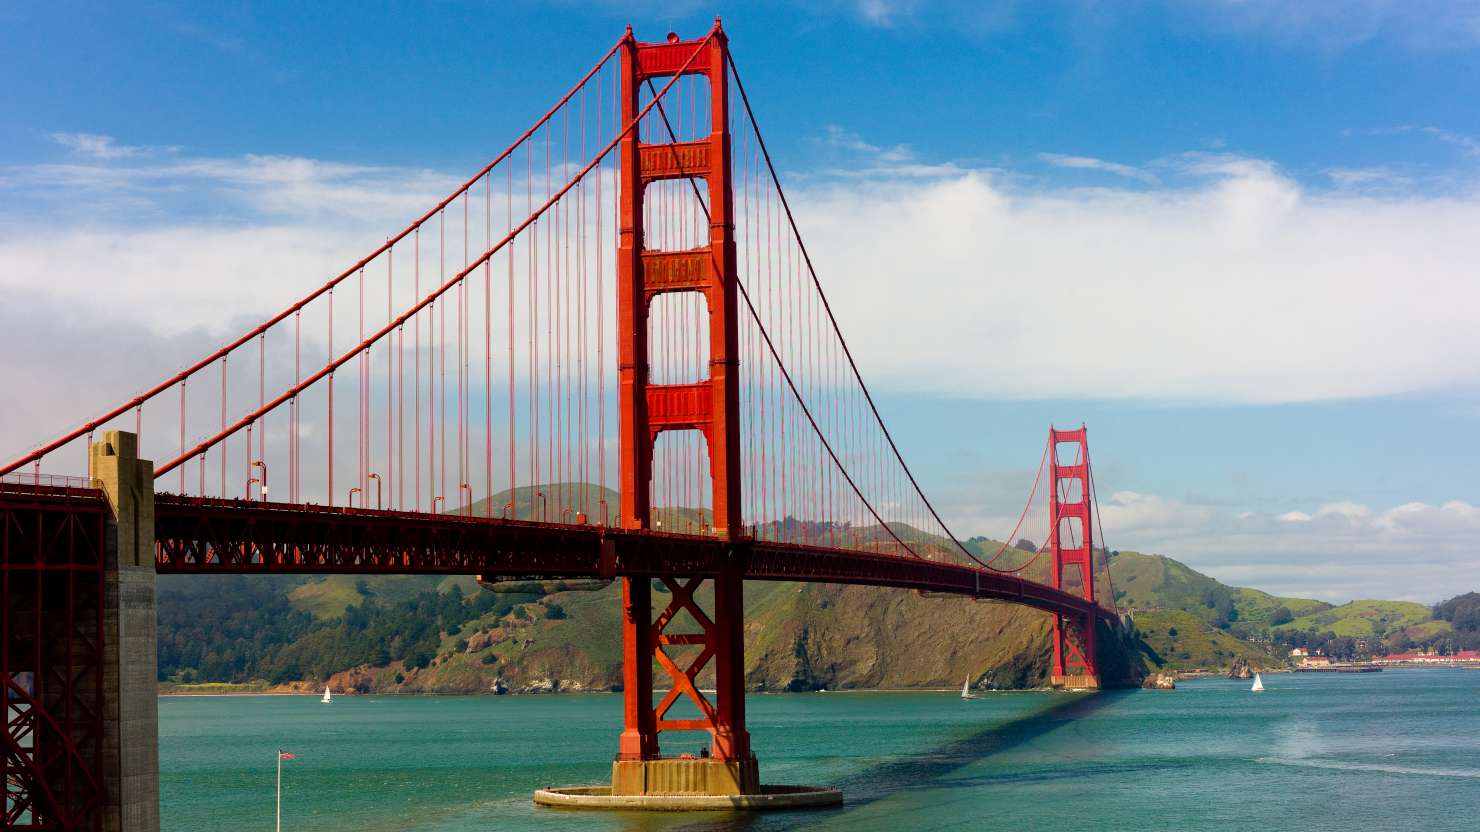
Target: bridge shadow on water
928	769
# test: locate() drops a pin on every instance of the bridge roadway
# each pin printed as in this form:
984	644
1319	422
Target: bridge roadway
206	535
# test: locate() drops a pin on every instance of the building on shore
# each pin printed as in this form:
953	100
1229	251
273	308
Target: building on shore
1463	657
1305	657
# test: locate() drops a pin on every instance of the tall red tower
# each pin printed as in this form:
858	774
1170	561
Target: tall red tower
1073	558
710	406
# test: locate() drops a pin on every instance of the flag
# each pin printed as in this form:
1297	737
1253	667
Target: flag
287	755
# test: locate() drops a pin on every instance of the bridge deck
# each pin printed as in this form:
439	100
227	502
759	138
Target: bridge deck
211	535
208	535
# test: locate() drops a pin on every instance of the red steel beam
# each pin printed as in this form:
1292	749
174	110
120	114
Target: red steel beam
211	535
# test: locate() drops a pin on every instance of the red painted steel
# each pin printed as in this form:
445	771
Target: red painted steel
710	406
52	554
1073	634
207	535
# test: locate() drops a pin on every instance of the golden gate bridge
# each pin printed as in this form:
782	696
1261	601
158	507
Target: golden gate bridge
445	405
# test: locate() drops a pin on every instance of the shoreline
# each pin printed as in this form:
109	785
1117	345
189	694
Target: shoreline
228	689
350	695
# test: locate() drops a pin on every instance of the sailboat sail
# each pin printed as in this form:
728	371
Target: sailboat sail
966	689
328	697
1258	684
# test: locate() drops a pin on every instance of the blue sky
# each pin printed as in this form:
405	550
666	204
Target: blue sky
1235	237
993	82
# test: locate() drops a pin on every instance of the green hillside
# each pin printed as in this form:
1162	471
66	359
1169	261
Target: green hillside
448	634
1369	618
326	596
1257	608
1179	640
1154	582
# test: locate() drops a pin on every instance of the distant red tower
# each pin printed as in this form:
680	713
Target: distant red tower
1072	536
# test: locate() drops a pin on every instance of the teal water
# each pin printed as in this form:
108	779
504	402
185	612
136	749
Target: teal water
1386	751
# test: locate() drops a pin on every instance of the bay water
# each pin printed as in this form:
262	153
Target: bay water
1395	750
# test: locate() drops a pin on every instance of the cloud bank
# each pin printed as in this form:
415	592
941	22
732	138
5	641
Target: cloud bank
1204	278
1339	551
1233	283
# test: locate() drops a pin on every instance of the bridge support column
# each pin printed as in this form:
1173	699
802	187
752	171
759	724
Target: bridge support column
130	759
726	775
710	406
729	767
1073	653
1072	533
639	732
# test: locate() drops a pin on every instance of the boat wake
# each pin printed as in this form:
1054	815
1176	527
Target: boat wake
1312	762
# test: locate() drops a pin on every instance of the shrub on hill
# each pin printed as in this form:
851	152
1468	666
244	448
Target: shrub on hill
1461	611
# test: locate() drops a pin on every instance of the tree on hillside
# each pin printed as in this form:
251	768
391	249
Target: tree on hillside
1218	599
1025	544
1281	615
1342	648
1461	611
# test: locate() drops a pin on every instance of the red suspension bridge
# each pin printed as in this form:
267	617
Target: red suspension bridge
620	298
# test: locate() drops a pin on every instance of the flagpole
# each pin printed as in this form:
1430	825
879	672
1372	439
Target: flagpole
280	791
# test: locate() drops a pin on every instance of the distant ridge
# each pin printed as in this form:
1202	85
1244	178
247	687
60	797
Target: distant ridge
440	634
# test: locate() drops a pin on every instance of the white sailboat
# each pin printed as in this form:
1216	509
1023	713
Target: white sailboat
328	696
966	689
1258	684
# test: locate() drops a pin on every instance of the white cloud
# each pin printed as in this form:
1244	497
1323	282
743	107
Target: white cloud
1091	163
1234	283
1342	551
1468	144
868	161
95	146
1336	551
168	240
883	12
1368	179
1229	281
262	189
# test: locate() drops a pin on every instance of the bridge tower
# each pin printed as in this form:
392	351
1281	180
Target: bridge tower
709	406
77	646
1072	535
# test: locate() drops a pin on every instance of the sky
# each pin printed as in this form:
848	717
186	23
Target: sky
1236	238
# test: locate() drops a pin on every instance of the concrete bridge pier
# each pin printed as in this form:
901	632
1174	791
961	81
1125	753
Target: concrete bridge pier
130	757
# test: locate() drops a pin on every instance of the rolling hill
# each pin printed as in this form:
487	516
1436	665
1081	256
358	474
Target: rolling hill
1370	618
1155	582
447	634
